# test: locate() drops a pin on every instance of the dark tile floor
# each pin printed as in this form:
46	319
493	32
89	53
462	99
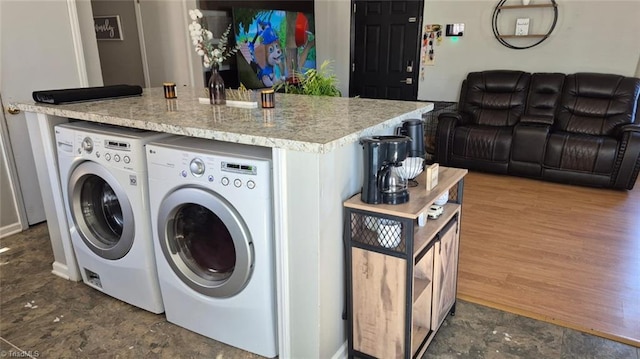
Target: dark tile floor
44	316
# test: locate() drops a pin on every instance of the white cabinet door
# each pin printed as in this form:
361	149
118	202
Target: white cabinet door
39	52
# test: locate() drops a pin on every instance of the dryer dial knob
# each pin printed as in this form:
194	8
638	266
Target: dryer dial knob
87	145
196	167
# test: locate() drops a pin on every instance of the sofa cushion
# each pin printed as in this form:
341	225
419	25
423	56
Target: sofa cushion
489	143
596	104
495	98
581	153
544	94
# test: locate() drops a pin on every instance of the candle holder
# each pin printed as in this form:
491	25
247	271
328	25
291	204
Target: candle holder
169	90
268	98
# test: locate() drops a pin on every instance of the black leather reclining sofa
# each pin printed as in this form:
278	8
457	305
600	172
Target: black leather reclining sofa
579	129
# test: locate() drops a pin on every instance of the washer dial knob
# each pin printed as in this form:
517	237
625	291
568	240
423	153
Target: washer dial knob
196	167
87	144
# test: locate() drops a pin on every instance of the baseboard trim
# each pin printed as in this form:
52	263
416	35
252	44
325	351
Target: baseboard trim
342	352
60	270
10	229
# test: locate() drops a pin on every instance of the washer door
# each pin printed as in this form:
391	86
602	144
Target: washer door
205	241
101	211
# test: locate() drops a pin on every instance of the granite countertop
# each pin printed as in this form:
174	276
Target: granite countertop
302	123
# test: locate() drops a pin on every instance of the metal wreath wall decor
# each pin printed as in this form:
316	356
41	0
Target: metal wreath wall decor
502	38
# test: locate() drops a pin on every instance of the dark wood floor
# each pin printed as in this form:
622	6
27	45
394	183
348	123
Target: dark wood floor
563	254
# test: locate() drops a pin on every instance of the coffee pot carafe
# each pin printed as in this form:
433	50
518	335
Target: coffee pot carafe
383	183
392	184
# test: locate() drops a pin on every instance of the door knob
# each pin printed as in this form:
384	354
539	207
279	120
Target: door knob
407	81
13	110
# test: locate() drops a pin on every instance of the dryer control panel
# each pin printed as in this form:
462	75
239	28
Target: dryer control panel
238	174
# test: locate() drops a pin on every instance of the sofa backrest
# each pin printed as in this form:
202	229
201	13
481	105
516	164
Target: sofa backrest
494	98
595	104
544	94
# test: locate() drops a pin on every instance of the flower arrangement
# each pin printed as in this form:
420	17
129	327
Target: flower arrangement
201	37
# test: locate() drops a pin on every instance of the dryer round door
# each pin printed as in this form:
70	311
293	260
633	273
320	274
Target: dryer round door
101	211
205	241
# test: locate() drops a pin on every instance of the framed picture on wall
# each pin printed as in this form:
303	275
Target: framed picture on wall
274	45
522	27
108	27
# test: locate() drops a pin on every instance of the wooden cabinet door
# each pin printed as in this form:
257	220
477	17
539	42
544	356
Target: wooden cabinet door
379	304
445	272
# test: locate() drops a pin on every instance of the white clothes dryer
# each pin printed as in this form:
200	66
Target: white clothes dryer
211	216
103	177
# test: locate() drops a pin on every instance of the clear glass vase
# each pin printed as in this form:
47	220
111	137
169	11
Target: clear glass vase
216	87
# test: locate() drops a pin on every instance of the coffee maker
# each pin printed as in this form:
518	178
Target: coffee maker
382	182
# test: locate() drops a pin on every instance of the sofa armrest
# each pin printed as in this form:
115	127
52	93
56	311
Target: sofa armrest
627	163
627	128
447	123
528	146
459	118
537	119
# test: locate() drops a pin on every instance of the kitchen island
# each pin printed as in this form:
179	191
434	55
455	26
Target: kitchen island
317	164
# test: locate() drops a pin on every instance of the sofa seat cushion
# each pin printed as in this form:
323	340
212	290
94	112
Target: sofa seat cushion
489	143
581	153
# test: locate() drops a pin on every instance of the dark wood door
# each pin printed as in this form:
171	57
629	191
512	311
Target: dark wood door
385	49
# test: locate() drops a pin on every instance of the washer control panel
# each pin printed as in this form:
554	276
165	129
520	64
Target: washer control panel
110	146
114	152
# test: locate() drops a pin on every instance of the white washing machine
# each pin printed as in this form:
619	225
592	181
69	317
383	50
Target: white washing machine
103	177
211	215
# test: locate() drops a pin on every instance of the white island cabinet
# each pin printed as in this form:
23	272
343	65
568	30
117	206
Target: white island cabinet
317	164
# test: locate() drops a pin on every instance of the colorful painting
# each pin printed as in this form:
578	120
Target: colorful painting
274	46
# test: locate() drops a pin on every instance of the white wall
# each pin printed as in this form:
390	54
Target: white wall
167	44
120	60
89	45
595	36
333	26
